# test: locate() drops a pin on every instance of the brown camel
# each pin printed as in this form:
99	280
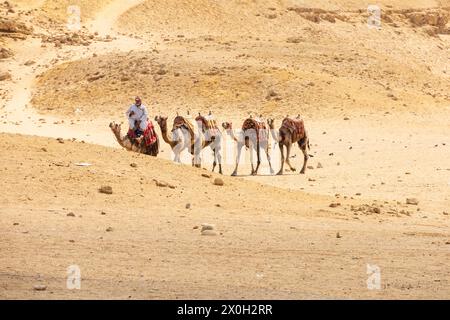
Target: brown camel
136	145
291	131
253	131
183	137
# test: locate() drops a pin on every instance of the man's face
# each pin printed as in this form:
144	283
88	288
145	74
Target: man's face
138	103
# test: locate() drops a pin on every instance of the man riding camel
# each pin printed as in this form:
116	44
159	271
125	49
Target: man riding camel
137	116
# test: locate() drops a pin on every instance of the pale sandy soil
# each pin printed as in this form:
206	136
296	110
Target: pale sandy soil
276	236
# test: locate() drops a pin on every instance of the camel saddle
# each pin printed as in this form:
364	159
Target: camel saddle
181	122
209	127
295	126
149	134
258	126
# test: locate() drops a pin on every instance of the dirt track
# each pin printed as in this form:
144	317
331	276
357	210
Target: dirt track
276	236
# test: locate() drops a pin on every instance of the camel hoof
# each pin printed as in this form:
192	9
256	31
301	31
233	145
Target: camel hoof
302	172
272	172
293	169
254	173
234	174
280	173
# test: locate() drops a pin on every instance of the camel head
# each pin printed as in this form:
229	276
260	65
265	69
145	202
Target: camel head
162	121
227	125
115	128
271	123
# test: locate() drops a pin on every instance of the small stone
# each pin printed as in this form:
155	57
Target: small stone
206	175
40	287
338	235
103	213
71	214
109	229
133	165
5	76
310	167
207	226
319	166
412	201
188	205
29	63
218	182
60	140
161	184
195	227
44	149
105	190
209	233
335	205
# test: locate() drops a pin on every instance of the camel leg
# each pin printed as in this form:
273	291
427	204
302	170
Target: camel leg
266	148
282	159
258	155
303	147
219	159
252	147
238	156
215	160
288	154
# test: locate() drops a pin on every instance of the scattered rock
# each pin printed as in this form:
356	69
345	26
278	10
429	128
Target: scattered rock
209	233
60	140
5	53
218	182
188	206
106	190
109	229
338	235
71	214
412	201
335	205
206	175
319	166
5	76
133	165
40	287
29	63
162	184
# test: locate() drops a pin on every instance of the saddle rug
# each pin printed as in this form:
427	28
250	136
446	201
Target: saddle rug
149	134
295	126
258	126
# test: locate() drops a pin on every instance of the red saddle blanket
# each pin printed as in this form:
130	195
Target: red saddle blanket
149	134
258	126
296	126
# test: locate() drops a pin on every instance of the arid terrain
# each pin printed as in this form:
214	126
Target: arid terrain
375	101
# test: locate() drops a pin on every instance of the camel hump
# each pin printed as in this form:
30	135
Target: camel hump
255	124
294	125
181	121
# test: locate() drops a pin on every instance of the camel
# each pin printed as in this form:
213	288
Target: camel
212	133
253	131
183	137
291	131
135	145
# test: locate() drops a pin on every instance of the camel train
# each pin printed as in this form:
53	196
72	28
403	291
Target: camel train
194	136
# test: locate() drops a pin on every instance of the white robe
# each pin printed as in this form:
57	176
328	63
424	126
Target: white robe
139	114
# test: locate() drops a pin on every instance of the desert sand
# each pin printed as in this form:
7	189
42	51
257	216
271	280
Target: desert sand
375	101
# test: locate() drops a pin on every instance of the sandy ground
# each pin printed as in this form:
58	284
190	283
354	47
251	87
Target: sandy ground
276	237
